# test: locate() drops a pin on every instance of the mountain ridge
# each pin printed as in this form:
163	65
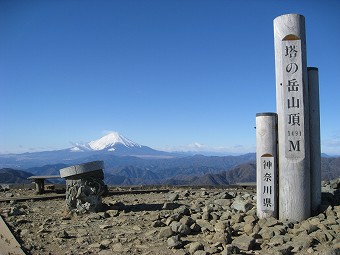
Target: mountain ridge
112	144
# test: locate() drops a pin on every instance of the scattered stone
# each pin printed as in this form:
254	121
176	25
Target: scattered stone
105	243
223	202
24	232
157	224
231	249
184	230
137	224
205	225
173	197
220	226
9	194
175	242
169	206
241	205
195	228
165	232
244	242
195	246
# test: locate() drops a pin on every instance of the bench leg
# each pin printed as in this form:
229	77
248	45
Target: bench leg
39	186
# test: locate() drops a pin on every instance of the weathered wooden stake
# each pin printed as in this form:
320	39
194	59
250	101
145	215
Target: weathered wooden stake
266	165
314	128
293	117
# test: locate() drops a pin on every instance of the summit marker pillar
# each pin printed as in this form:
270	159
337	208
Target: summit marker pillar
314	126
293	117
266	165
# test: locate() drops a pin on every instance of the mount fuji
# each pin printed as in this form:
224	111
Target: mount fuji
109	142
109	146
119	145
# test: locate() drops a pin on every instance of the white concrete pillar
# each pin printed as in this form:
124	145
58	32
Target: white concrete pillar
314	129
266	165
293	117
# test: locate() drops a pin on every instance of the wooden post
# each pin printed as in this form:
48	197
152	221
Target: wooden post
293	117
266	165
314	127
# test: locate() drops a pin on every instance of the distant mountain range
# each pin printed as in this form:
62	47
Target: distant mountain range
129	163
112	144
8	175
166	172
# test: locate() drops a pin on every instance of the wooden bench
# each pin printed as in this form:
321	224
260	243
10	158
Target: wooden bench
40	181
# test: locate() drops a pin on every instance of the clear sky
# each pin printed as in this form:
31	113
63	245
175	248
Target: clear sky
169	74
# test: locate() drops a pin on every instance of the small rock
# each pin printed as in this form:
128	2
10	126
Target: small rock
95	246
220	226
175	226
186	220
169	206
248	228
184	230
309	227
270	222
174	242
183	211
236	218
173	197
195	228
223	202
267	233
24	232
277	240
220	237
301	242
244	242
226	195
105	243
241	205
205	225
165	232
204	193
104	215
157	224
230	249
195	246
117	247
82	240
137	228
249	219
206	216
113	213
9	195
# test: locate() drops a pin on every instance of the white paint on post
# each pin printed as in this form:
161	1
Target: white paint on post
266	165
293	117
314	126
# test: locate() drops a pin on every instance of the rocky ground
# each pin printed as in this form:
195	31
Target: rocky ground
181	221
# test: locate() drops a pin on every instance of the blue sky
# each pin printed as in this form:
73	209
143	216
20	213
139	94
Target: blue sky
172	75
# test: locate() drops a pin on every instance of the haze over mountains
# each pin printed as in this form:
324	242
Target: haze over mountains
129	163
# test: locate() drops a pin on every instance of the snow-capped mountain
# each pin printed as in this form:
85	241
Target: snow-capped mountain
109	142
109	148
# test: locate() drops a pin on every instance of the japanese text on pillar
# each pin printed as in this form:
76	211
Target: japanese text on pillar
293	96
268	184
